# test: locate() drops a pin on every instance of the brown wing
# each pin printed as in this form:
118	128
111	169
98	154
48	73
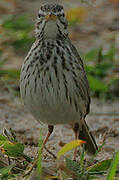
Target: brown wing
74	50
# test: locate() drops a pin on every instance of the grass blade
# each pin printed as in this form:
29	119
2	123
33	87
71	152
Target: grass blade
113	167
39	162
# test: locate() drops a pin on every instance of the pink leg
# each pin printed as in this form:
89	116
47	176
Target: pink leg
50	130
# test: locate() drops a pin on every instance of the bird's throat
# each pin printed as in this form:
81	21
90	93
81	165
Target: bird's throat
51	30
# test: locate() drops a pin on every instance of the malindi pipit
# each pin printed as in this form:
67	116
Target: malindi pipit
53	82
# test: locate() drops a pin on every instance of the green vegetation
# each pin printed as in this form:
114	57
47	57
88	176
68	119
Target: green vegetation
19	164
102	72
19	32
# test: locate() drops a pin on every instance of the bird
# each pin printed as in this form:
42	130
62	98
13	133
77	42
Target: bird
53	82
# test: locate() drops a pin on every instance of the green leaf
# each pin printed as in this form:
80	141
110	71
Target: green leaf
4	172
3	138
12	149
102	69
100	166
90	69
113	167
110	54
97	85
92	54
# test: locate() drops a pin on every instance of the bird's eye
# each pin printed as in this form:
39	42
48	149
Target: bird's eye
40	15
61	16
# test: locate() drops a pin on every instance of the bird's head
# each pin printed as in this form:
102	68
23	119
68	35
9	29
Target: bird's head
51	22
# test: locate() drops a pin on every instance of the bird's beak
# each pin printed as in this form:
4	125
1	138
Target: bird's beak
50	17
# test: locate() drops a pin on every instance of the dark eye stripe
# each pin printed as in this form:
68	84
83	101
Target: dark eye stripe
38	23
61	15
64	23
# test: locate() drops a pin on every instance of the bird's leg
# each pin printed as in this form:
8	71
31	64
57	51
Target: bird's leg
76	132
50	130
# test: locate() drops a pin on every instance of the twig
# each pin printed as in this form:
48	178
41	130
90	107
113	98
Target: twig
31	168
60	174
50	152
103	143
105	135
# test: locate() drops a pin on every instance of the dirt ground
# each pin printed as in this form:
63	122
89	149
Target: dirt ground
103	115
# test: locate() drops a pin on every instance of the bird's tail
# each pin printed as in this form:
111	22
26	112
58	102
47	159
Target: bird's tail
86	135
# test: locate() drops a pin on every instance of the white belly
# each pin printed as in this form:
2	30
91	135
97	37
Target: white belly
54	113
